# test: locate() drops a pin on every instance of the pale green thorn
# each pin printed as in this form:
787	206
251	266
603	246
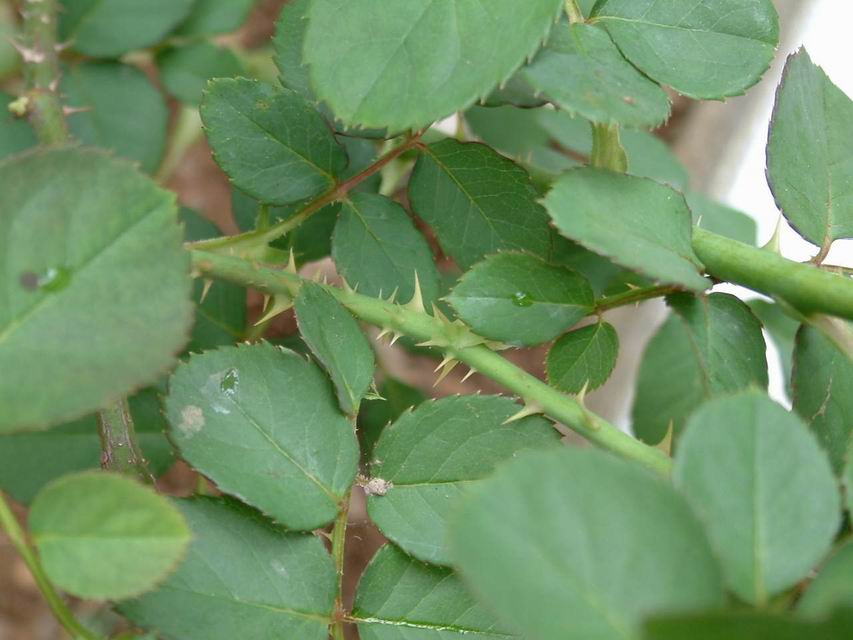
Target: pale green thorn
775	242
447	365
581	397
393	297
266	301
279	305
385	331
438	315
417	301
529	409
397	335
432	342
208	283
470	373
291	263
665	445
317	276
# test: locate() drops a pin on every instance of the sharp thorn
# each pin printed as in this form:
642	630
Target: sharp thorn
208	283
527	410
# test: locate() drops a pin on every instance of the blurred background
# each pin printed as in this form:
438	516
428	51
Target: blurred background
721	144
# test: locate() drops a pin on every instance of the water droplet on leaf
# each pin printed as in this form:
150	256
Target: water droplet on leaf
522	299
51	280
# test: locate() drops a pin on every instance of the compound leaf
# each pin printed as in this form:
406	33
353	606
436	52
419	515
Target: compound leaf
407	64
432	455
104	536
400	597
809	165
336	340
271	142
636	222
242	578
605	544
764	489
477	202
264	424
710	346
705	50
583	358
519	299
377	248
95	277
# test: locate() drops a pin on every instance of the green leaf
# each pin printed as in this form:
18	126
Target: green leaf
431	456
702	50
212	17
377	247
109	28
519	299
749	625
782	330
518	134
106	295
288	42
271	142
477	202
636	222
405	65
583	358
582	71
294	458
809	166
823	392
764	490
400	597
847	479
722	220
577	544
376	414
220	318
710	346
16	134
833	587
29	461
602	273
104	536
185	70
337	342
242	578
123	111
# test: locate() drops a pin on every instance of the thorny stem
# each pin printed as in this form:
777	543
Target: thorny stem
339	535
41	72
57	605
250	243
120	450
574	12
418	324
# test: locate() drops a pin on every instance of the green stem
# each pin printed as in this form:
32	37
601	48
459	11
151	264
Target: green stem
339	537
41	72
455	340
805	287
120	450
9	523
574	12
250	244
607	150
633	296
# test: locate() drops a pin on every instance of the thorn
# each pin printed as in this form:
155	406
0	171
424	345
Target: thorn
775	244
581	397
279	305
317	275
417	301
447	365
470	373
384	333
266	301
208	283
70	111
393	297
438	315
432	342
665	445
527	410
397	335
291	262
